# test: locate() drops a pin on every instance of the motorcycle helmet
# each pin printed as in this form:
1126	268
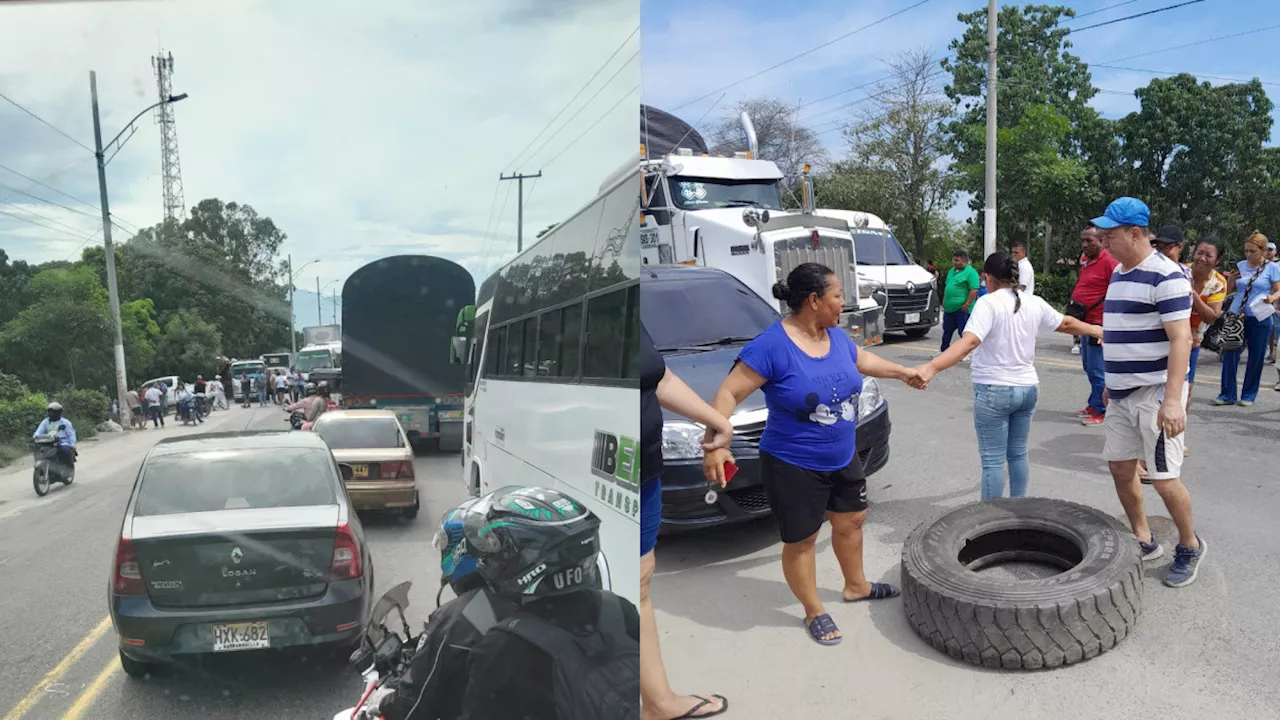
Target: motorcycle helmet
323	389
54	411
533	542
457	564
311	389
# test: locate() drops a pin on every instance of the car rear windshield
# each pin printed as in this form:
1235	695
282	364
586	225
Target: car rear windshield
236	479
350	433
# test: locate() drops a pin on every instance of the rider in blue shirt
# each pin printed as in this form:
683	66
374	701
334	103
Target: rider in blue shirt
66	433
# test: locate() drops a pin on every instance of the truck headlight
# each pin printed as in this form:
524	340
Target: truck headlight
870	399
681	440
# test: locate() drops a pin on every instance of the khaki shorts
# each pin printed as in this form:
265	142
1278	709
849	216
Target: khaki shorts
1132	433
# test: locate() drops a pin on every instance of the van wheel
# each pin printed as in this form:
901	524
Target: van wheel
134	668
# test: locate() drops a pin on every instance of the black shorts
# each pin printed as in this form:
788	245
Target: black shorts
800	498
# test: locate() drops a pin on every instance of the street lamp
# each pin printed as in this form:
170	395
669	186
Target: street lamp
122	391
293	335
320	294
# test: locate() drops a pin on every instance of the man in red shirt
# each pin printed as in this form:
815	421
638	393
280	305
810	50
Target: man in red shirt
1096	268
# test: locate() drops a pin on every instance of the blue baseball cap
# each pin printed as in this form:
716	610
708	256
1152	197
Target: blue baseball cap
1124	211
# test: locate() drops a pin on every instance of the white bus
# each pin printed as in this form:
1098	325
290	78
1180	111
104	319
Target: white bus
552	395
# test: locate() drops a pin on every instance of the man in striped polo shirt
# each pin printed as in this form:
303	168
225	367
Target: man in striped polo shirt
1146	345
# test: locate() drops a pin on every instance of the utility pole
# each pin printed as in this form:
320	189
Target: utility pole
319	317
519	178
989	209
122	390
334	294
293	336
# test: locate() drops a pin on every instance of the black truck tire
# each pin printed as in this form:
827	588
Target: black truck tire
1014	624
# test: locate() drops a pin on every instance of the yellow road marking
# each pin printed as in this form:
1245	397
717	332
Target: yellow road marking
91	693
1050	363
29	701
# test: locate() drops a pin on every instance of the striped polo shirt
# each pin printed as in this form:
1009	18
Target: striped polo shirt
1135	347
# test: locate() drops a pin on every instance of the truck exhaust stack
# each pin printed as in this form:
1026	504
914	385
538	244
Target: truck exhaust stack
752	144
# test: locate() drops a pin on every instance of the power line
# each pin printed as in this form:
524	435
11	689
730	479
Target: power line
1182	72
592	126
86	242
30	210
1193	44
585	105
803	54
43	200
1130	17
67	195
47	227
1101	9
44	122
575	95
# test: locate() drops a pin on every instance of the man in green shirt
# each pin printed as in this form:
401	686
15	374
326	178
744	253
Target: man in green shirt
958	297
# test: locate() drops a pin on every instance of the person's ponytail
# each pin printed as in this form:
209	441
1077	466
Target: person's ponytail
1004	269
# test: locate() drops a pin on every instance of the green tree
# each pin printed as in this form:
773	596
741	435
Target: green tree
189	346
899	135
13	285
64	337
1195	153
141	332
1046	131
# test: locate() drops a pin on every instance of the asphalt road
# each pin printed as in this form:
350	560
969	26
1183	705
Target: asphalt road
729	624
59	651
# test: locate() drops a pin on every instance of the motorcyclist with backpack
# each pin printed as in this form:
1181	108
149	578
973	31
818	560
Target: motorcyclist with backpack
530	636
55	423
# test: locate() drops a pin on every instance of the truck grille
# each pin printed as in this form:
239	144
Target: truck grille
835	253
902	301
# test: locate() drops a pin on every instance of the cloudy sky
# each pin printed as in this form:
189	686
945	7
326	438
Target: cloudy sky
684	61
362	133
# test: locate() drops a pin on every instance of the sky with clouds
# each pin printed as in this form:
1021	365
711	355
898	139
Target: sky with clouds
683	61
362	130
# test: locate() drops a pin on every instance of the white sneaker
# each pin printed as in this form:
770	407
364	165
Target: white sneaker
1075	349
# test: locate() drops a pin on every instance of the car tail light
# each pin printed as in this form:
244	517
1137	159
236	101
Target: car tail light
346	555
401	470
126	575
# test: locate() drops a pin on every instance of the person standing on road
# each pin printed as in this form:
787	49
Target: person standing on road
246	387
136	421
155	406
1096	268
1256	281
282	387
1208	291
1026	273
260	379
960	293
811	373
1002	337
660	388
1147	346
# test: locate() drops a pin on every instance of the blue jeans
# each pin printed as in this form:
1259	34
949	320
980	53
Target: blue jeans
1002	416
1256	335
650	514
1191	366
1091	359
953	321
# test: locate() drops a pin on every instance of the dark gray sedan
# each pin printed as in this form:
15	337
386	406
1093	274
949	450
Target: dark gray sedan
238	541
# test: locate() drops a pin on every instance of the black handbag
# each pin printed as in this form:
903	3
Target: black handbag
1077	310
1226	334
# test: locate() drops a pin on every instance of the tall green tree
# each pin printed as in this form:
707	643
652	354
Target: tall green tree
189	346
898	135
64	337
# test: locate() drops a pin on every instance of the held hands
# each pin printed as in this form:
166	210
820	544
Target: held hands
918	377
718	436
713	465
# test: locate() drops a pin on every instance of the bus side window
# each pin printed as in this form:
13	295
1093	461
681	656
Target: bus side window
630	350
605	332
550	333
494	352
571	344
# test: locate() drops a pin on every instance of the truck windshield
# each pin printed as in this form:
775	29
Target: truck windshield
694	193
314	359
878	247
703	312
239	371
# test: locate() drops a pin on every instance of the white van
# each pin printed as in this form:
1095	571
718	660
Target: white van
908	294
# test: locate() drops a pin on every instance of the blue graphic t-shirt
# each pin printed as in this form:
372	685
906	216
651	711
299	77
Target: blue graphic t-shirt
813	402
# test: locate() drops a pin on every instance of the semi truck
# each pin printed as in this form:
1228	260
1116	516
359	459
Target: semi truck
398	320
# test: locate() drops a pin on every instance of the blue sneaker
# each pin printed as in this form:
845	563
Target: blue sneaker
1185	565
1151	550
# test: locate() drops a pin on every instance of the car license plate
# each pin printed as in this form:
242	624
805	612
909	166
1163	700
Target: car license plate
241	636
912	318
450	414
360	471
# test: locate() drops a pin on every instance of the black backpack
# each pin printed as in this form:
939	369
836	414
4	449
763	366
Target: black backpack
594	676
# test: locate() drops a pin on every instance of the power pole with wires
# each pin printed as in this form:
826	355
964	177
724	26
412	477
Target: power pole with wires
989	209
171	169
519	178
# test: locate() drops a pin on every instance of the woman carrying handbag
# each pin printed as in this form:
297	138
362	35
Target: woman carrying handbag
1241	327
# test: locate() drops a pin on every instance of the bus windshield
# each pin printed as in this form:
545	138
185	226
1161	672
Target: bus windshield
309	360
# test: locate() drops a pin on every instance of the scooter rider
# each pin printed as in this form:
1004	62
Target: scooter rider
304	404
66	433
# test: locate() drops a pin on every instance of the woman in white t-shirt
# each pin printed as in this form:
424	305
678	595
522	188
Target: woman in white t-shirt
1001	334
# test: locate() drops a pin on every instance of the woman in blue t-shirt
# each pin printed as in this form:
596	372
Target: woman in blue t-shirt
1254	278
811	374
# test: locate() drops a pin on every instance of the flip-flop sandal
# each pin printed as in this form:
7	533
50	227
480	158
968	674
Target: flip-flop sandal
724	705
879	591
820	626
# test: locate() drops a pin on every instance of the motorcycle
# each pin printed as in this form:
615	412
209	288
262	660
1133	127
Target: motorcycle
47	467
297	419
383	656
187	411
